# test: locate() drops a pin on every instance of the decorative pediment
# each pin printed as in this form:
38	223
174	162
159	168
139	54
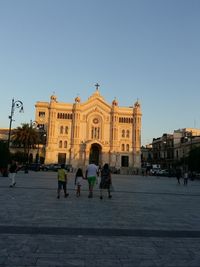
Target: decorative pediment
96	104
95	111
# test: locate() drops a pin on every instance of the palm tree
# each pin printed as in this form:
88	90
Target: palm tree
26	137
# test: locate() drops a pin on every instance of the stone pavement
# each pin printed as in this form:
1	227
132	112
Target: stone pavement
149	221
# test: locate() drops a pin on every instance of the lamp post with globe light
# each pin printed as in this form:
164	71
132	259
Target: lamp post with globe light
15	105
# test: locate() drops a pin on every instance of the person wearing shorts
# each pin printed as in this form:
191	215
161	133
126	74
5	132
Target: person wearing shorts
62	181
91	175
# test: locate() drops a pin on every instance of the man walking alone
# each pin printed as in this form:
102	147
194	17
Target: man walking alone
12	173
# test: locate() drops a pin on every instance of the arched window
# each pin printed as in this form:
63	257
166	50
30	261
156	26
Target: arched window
66	129
123	147
60	144
123	133
127	147
65	144
95	132
92	132
127	133
61	129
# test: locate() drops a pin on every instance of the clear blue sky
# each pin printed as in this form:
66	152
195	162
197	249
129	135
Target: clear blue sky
146	49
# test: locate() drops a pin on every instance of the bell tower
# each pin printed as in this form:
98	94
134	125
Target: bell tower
137	114
75	132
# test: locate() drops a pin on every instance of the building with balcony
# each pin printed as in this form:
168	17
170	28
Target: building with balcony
185	140
172	149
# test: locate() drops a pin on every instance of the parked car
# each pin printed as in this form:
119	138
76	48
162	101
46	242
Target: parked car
163	173
154	171
34	167
69	167
51	167
115	170
55	167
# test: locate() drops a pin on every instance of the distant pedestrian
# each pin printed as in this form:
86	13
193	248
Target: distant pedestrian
105	180
78	181
12	173
185	178
178	175
91	174
62	181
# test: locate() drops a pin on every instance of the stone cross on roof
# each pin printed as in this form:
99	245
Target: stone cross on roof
97	86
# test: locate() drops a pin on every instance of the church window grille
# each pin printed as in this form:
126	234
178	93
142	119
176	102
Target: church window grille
95	132
41	114
125	120
66	116
127	134
60	144
65	144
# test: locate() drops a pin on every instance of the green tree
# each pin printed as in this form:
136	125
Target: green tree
26	137
19	156
4	157
194	160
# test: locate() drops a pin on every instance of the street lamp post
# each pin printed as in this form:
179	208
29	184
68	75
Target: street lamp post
15	105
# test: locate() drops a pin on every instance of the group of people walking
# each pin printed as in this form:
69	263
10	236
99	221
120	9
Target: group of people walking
91	175
93	172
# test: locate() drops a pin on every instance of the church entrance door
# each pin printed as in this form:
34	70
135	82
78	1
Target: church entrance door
95	153
61	158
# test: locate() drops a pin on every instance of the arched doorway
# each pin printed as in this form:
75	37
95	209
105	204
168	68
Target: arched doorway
95	153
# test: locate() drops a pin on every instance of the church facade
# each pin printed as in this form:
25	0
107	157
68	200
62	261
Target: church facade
94	130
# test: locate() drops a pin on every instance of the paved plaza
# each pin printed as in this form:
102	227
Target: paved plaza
149	221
